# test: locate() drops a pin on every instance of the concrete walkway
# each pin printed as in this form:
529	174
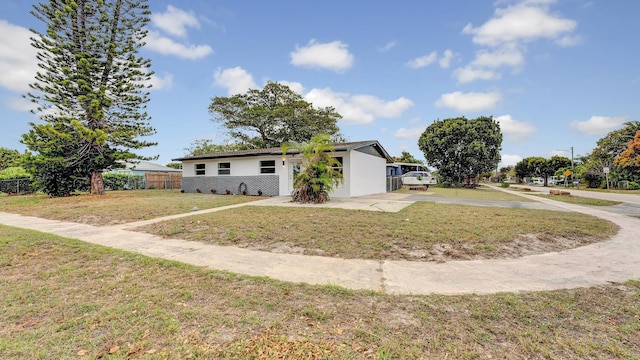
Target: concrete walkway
615	260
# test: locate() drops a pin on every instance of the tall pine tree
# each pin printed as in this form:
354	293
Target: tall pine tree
90	91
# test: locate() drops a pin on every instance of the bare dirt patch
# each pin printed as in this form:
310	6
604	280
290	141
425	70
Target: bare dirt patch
522	245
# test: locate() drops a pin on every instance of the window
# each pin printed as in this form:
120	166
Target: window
224	168
267	167
338	167
200	169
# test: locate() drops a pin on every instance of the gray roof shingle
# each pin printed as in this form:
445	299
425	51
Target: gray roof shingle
337	147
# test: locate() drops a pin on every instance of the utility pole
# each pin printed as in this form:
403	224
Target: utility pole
572	161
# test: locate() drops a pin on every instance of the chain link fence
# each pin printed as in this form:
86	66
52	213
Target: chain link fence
394	183
16	186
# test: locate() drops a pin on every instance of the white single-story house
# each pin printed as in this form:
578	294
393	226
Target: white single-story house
269	172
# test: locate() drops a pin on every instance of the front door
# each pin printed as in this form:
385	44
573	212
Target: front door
294	170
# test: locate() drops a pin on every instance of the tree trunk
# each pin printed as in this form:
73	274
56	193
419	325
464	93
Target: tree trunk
97	184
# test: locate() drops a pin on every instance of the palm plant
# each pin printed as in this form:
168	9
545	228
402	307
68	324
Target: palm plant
319	173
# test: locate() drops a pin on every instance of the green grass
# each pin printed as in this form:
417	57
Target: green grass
116	206
61	298
579	200
469	231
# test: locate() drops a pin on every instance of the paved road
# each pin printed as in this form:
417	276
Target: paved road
614	260
630	203
626	198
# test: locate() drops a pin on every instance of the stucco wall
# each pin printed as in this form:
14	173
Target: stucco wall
343	190
363	174
368	174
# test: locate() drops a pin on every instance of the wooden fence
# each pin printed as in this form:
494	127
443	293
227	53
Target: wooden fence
160	180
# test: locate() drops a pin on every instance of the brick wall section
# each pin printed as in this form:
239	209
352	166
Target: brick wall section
269	184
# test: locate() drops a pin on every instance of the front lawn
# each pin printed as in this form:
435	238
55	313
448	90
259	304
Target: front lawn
115	207
65	299
423	231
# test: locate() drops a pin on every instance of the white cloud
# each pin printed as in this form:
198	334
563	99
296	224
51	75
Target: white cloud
445	60
236	80
598	125
160	82
567	41
294	86
431	58
469	102
404	133
508	31
175	21
423	61
515	131
355	109
508	55
164	45
527	21
358	109
468	74
388	46
382	108
509	160
333	56
563	153
18	63
484	66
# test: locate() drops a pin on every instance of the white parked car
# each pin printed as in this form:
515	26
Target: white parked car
536	181
419	178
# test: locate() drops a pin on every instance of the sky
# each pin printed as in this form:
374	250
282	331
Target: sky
556	74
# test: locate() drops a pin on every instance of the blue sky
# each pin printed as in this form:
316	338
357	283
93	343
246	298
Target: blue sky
556	74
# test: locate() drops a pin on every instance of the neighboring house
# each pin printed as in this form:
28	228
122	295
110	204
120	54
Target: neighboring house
270	173
156	176
140	167
399	169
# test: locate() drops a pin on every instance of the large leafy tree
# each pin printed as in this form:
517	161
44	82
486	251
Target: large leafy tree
406	157
629	159
539	166
273	116
320	171
462	149
603	156
90	91
207	146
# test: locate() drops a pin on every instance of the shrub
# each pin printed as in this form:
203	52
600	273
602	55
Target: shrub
122	181
14	180
504	185
633	186
14	172
320	172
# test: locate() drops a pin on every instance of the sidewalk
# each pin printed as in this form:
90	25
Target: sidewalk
616	260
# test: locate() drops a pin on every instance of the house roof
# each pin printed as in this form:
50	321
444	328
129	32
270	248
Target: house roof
141	165
337	147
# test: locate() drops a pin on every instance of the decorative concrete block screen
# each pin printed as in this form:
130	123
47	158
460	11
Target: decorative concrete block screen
268	184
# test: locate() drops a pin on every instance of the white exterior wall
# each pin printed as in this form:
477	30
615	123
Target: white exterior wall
368	174
239	166
344	189
363	174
